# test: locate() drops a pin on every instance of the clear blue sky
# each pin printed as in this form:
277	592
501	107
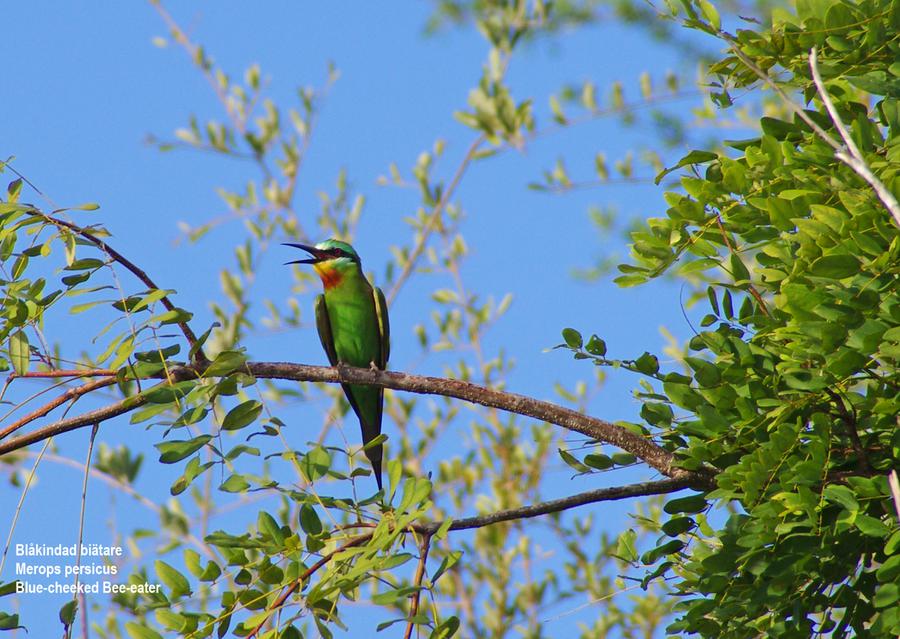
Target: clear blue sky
83	86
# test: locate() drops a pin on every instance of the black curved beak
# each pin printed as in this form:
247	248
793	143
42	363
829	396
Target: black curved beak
317	255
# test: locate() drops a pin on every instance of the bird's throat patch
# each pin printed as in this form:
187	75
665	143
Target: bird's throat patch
331	277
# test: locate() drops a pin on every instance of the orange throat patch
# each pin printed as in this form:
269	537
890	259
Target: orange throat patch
331	277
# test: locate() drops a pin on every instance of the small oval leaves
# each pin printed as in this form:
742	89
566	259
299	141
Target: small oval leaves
572	338
242	415
691	504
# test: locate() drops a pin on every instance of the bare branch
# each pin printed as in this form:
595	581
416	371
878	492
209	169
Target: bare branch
613	493
86	419
854	159
71	394
597	429
417	582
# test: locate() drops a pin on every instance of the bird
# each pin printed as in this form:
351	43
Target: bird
352	321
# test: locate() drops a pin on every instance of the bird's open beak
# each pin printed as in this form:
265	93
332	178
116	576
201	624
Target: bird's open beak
317	255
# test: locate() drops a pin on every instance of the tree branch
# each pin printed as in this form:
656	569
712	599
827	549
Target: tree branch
854	159
71	394
596	429
278	603
417	582
430	223
128	264
428	529
613	493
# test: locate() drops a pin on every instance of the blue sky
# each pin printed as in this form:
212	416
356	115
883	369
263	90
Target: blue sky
85	86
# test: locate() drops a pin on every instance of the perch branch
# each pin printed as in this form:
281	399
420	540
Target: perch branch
596	429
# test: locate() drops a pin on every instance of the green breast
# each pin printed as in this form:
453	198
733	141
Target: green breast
354	323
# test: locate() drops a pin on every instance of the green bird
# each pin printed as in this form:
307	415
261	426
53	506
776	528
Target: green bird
353	327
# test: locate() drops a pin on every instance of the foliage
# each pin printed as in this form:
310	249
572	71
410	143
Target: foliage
790	386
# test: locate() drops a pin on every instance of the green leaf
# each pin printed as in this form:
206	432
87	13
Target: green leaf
678	525
596	346
225	362
572	338
235	484
242	415
140	632
689	504
710	13
843	496
871	527
309	520
448	562
446	629
573	461
647	364
315	463
68	611
173	451
267	526
176	582
694	157
170	620
19	352
834	266
886	595
10	622
600	462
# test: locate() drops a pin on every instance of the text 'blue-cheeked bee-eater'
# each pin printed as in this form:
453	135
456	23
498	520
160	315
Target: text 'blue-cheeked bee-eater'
352	320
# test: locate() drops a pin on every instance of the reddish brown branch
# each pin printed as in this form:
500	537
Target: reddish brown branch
278	603
597	429
78	372
417	582
72	393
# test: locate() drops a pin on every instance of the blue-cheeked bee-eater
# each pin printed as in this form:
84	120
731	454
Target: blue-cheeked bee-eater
352	320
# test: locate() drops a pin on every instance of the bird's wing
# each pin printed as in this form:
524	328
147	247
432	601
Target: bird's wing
384	328
323	324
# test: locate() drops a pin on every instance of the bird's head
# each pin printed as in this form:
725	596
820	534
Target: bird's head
332	259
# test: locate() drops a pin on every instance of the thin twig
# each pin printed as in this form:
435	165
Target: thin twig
430	223
278	603
612	493
854	159
79	372
789	103
84	486
131	266
417	582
